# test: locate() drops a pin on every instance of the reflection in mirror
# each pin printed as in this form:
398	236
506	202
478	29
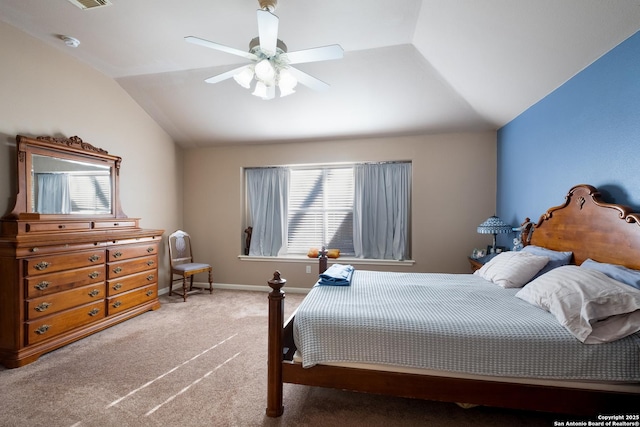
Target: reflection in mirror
61	186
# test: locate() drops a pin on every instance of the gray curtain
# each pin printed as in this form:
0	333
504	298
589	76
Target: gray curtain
53	194
268	191
381	210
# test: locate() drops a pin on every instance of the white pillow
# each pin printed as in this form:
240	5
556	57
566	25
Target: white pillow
588	303
512	269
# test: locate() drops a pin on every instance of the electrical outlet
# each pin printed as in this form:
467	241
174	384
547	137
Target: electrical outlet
308	269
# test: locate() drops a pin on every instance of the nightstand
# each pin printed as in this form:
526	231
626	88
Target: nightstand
476	263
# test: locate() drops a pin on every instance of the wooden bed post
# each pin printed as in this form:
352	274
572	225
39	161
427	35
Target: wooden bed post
322	261
274	352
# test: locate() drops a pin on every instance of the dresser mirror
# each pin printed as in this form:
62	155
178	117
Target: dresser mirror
65	177
62	186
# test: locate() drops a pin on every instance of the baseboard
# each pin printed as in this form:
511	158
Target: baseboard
252	288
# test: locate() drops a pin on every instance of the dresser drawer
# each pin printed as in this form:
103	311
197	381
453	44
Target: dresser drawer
30	251
53	263
127	300
99	225
124	284
50	326
55	282
50	304
136	265
120	253
43	227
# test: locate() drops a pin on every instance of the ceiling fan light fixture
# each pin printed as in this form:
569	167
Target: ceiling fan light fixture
265	72
286	82
244	77
260	90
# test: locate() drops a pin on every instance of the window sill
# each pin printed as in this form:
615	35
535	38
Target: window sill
341	260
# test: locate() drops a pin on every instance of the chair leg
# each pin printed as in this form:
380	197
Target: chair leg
184	288
210	281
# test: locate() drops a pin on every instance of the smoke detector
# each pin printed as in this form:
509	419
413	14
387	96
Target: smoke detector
90	4
70	41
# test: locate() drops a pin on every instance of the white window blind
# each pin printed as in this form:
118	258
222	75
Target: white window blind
90	193
321	209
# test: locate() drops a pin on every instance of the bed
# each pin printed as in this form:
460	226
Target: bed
603	380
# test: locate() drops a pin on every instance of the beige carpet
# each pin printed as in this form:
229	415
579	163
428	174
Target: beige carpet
202	363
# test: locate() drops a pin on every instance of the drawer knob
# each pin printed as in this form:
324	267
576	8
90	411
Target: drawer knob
150	277
117	270
42	329
42	307
41	265
150	249
94	258
117	286
94	293
117	254
149	293
116	304
94	312
61	226
35	249
94	274
150	263
41	286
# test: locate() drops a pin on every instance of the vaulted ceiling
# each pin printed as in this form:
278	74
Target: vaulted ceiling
410	66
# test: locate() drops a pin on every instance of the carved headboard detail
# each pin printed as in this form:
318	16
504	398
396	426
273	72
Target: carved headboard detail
590	228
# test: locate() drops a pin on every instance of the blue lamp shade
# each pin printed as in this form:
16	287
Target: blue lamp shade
494	225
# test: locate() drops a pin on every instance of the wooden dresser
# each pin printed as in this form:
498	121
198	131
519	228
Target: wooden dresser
66	276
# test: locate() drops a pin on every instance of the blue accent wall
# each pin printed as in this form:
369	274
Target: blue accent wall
585	132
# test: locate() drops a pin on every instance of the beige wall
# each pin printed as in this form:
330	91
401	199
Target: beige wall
454	190
45	92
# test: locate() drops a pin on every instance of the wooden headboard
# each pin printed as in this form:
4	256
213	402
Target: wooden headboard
590	228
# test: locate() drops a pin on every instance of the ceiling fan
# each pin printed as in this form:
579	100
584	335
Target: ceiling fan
271	63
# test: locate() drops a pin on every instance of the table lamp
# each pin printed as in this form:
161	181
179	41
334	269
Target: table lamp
494	225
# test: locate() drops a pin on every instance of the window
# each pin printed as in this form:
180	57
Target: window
320	211
364	210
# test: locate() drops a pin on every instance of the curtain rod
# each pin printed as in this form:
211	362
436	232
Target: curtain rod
311	165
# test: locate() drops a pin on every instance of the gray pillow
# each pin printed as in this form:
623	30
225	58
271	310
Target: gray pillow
616	272
556	258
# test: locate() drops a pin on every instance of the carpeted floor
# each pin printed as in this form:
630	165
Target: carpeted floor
202	363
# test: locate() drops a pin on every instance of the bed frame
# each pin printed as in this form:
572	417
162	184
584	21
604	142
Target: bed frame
584	224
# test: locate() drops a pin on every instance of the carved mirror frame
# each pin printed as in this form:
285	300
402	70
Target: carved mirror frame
72	149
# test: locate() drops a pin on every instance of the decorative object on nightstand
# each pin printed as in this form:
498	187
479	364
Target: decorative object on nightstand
494	225
477	263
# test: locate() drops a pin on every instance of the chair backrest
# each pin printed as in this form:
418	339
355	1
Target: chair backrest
179	248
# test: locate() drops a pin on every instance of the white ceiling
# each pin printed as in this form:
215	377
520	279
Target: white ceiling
410	66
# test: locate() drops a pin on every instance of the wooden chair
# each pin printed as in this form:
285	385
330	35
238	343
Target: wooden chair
181	264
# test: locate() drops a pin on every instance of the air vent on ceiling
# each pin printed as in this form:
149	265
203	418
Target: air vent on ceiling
90	4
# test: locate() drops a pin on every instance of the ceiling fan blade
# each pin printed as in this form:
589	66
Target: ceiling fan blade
308	80
221	47
267	30
227	75
324	53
